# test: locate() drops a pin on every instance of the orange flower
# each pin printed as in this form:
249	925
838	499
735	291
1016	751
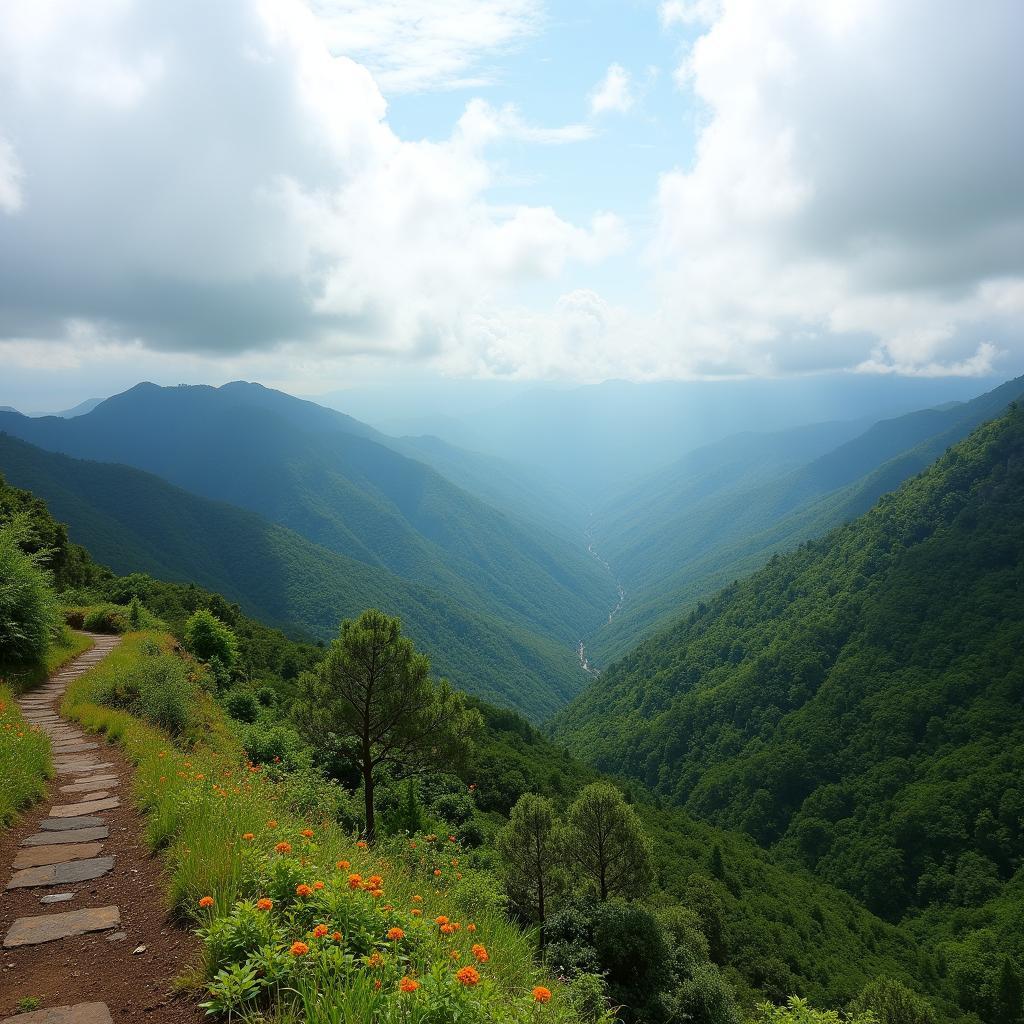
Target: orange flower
468	976
248	837
455	954
318	885
447	929
377	984
308	833
299	949
374	960
271	823
303	890
416	912
408	984
319	931
264	904
355	881
437	872
336	936
361	845
480	952
441	920
541	994
283	848
470	927
417	899
376	893
375	881
206	901
343	865
396	934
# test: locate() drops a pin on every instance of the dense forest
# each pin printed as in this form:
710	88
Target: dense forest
856	705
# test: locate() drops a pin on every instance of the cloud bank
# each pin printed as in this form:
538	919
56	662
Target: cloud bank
221	180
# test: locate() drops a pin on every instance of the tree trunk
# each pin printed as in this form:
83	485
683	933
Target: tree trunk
368	795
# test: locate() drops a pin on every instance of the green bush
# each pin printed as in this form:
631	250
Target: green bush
29	617
206	637
242	705
106	618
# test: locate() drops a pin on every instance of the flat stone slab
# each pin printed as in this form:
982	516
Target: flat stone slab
29	931
80	767
59	853
85	797
77	835
65	824
57	897
73	748
84	807
80	1013
100	782
61	874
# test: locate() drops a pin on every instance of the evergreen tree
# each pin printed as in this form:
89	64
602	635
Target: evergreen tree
606	843
373	693
529	854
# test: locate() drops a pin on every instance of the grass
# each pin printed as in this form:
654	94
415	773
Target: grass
219	820
68	645
25	762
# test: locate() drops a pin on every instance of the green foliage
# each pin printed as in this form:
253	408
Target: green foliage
25	762
799	1011
206	637
529	855
893	1003
374	693
604	841
29	618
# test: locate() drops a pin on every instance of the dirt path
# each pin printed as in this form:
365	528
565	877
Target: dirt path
82	912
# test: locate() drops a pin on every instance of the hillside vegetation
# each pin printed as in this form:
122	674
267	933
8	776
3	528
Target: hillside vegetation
720	512
856	704
135	522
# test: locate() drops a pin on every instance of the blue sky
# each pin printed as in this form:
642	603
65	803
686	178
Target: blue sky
316	193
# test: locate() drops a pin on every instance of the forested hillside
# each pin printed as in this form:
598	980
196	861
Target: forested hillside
326	477
856	704
720	512
136	522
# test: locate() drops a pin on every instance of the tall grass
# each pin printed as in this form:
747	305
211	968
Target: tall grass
25	762
219	820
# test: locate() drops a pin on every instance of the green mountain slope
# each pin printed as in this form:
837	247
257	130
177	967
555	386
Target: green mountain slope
136	522
328	478
722	511
858	703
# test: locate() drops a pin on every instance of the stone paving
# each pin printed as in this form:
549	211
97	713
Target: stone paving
68	848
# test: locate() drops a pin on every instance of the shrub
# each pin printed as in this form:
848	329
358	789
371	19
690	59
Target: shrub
29	617
106	618
243	705
207	637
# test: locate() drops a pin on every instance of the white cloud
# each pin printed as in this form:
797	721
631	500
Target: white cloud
412	45
856	187
227	185
613	93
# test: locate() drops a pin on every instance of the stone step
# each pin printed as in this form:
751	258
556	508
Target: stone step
76	835
65	824
59	853
84	807
80	1013
100	782
61	874
30	931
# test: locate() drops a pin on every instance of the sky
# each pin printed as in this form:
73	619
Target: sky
334	192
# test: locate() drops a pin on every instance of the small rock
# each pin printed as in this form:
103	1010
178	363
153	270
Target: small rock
117	937
139	949
57	897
